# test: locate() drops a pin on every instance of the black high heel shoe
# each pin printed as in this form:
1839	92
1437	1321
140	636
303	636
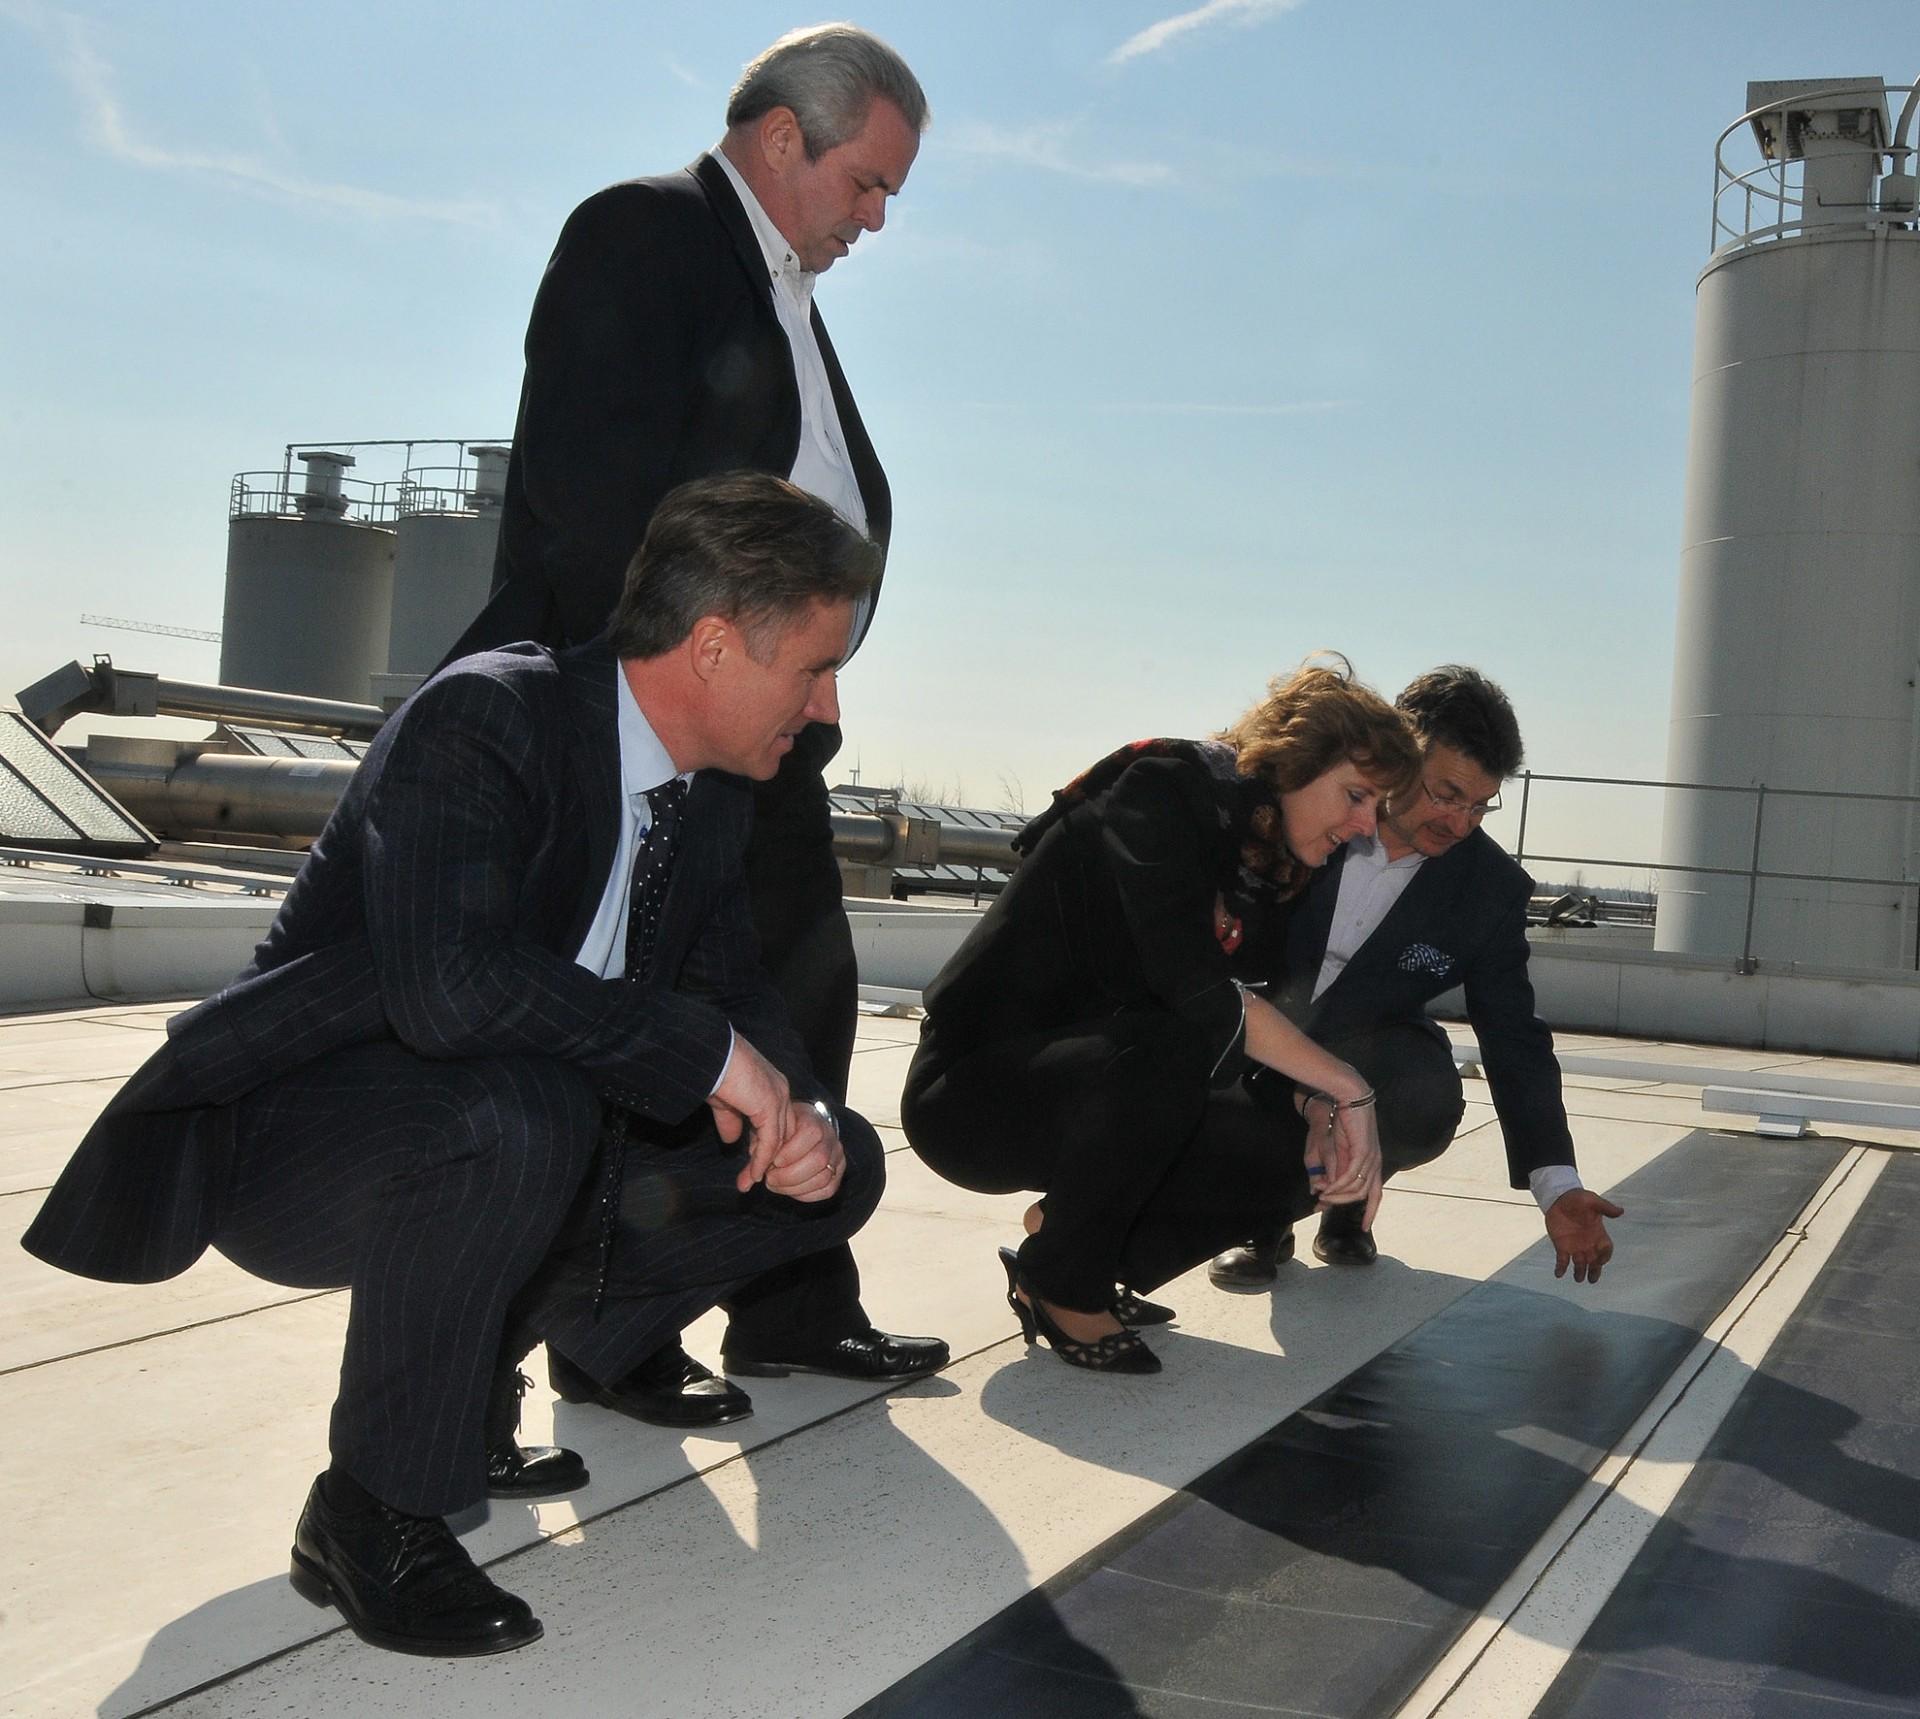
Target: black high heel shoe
1132	1308
1118	1352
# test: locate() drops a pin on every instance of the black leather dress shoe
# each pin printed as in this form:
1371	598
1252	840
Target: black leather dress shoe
1341	1240
403	1582
1247	1270
668	1389
870	1356
515	1470
533	1470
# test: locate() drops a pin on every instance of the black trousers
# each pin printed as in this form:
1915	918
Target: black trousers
444	1195
1145	1169
1409	1065
807	948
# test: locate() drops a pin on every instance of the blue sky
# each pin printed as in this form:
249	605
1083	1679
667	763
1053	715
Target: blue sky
1201	337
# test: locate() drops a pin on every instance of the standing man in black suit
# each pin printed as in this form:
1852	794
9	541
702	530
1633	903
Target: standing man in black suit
674	335
506	1062
1430	902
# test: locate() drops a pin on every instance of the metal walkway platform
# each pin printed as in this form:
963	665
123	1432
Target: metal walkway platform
1411	1477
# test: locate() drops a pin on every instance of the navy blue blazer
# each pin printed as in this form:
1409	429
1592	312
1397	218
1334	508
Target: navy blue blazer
654	355
442	907
1461	921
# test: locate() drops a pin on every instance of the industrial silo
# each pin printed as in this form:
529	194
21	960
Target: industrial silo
1798	636
443	562
309	586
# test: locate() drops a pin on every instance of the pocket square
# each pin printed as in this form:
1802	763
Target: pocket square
1424	958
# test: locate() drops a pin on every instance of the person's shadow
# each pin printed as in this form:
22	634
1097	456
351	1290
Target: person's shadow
827	1557
1442	1461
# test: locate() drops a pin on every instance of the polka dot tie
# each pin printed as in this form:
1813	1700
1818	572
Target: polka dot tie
646	897
652	871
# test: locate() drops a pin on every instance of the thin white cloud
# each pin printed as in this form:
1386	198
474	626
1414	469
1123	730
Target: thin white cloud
1044	145
1157	36
91	79
688	78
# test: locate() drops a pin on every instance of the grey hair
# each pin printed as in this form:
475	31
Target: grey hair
828	74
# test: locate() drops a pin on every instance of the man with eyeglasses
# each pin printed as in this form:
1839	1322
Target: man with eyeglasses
1388	924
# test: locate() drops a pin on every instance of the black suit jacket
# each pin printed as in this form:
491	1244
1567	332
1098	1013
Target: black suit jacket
654	355
442	906
1112	912
1462	920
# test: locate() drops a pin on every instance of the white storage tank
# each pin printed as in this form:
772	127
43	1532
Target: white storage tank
443	557
309	587
1798	637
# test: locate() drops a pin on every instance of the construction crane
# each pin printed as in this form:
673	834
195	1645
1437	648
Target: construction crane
150	627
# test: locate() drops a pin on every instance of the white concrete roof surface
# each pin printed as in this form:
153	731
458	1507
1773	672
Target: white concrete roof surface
161	1439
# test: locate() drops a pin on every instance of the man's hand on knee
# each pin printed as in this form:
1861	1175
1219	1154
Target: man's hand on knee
810	1161
752	1098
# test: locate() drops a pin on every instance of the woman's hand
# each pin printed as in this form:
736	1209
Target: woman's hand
1343	1153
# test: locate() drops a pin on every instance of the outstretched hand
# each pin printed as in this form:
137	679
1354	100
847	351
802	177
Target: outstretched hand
1576	1226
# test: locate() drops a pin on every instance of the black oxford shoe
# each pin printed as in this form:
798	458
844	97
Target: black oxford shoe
403	1582
533	1470
871	1357
1247	1270
668	1389
1341	1240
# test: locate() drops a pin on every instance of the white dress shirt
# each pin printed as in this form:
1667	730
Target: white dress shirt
644	764
1370	884
821	466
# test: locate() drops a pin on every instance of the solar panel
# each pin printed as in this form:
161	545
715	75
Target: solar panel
47	801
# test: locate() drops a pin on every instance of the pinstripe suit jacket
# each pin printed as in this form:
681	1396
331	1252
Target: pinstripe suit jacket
442	907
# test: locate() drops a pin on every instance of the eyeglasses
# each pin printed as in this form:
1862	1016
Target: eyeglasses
1451	802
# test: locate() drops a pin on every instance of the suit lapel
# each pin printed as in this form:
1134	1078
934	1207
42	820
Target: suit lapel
866	464
1312	921
1425	901
725	203
593	761
1308	927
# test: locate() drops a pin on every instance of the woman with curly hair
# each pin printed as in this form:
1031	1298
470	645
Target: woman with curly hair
1089	1039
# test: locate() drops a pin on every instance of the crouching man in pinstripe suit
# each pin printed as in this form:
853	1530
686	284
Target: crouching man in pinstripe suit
506	1063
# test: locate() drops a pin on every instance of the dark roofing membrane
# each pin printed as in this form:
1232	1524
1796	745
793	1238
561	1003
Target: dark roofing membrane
1327	1567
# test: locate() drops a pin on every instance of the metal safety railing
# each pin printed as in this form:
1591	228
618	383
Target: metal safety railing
1768	198
1753	872
364	501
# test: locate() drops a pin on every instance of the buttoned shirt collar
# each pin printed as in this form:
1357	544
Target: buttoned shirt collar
783	267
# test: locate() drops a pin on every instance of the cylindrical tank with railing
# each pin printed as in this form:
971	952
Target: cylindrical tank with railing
1797	646
448	524
309	580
